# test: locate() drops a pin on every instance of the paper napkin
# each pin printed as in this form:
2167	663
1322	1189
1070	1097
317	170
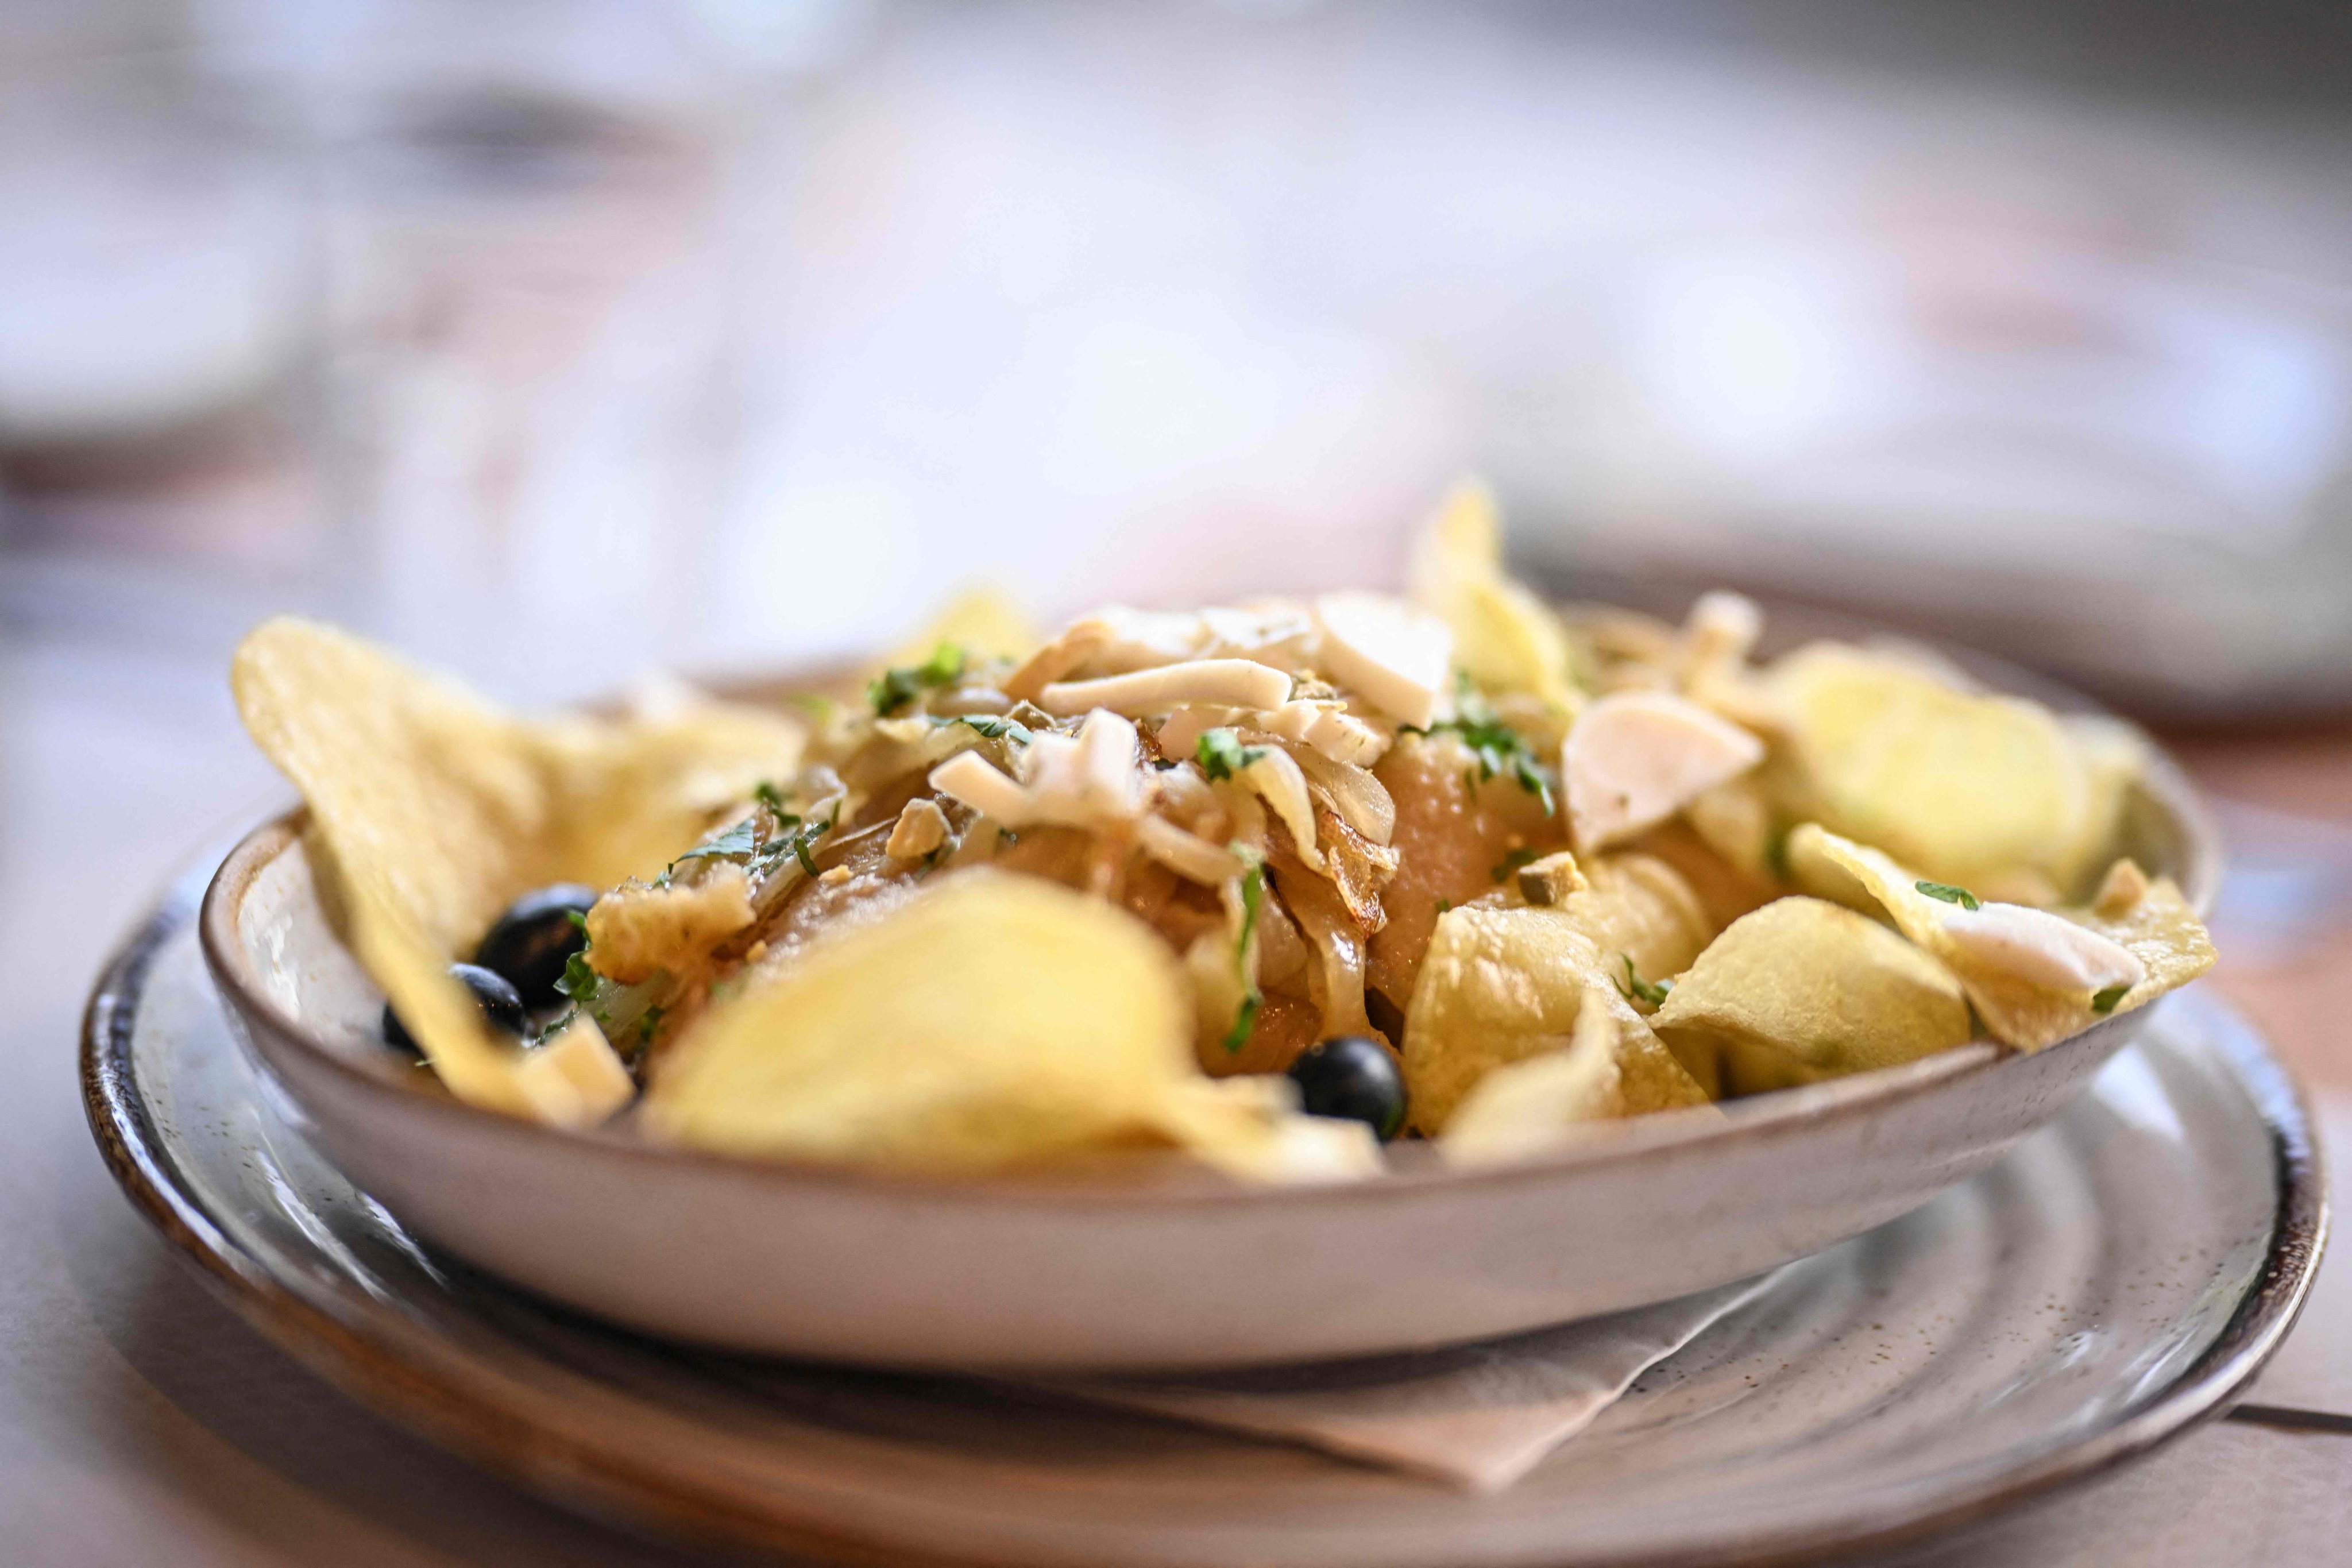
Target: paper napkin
1478	1417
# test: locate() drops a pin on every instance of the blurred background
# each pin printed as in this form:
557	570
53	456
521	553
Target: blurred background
558	340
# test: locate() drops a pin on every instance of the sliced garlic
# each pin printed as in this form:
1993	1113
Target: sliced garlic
1110	642
1720	631
1635	758
1233	682
1326	726
2042	949
972	780
1179	736
1087	781
1273	632
1121	641
1393	655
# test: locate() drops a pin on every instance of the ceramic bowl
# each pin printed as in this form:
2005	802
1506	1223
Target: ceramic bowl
1142	1262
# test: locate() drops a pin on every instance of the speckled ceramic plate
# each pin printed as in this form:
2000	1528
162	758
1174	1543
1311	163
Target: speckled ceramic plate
2117	1278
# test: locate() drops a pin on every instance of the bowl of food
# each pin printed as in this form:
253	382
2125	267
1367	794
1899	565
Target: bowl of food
1295	980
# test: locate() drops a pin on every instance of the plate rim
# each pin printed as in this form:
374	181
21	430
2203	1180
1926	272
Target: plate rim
405	1373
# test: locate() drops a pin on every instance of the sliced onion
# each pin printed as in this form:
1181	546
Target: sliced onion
1338	978
1352	792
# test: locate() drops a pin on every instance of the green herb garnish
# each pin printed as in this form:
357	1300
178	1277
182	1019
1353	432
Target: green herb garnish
1499	749
901	684
1637	989
804	838
1514	860
1253	895
993	728
1222	754
740	842
1443	905
578	982
1950	894
2104	1002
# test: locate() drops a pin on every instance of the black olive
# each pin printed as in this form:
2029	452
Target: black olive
1352	1077
530	943
500	1002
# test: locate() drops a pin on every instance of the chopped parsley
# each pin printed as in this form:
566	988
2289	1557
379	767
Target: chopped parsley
648	1023
1637	989
1222	754
741	843
738	843
991	728
804	838
1950	894
1252	896
1514	860
1443	905
1775	855
1499	749
578	982
901	684
2104	1002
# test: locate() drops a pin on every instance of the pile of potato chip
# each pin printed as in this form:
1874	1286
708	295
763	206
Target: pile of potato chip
1024	898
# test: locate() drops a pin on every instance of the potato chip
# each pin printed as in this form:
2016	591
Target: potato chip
1803	990
1735	821
414	785
1965	786
431	810
993	1020
2014	992
1639	907
630	794
1724	889
1504	637
1533	1105
983	622
1500	986
1250	1128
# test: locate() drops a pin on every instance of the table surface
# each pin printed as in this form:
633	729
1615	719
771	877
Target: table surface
140	1422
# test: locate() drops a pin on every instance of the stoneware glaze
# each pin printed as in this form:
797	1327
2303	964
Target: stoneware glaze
1142	1262
2120	1276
